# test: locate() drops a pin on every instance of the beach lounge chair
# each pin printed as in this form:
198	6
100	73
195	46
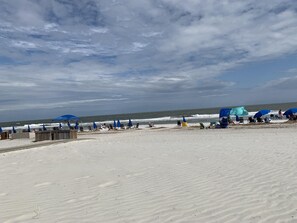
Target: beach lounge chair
267	120
251	119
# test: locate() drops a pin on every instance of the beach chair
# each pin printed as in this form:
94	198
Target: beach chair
213	125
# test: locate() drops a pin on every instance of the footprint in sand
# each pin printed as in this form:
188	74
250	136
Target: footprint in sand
24	217
42	184
107	184
71	201
82	178
86	198
134	175
179	164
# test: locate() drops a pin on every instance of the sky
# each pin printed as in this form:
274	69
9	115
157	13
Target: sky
97	57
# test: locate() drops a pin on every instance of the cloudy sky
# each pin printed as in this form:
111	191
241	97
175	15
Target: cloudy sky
95	57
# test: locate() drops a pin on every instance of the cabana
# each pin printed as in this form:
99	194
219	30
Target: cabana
225	113
66	118
290	112
261	113
237	111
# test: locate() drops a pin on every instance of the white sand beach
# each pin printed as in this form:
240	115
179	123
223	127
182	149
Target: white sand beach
154	175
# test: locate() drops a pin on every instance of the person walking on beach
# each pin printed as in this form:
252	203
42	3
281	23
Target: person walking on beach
280	114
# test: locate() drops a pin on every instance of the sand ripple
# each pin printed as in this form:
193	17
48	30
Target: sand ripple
156	176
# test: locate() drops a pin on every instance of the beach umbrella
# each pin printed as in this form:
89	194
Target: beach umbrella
119	124
1	130
114	124
13	129
239	111
130	123
225	112
43	127
76	125
66	118
94	125
261	113
291	111
29	129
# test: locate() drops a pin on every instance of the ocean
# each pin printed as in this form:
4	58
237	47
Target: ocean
162	117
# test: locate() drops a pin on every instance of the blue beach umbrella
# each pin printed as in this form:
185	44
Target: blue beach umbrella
130	123
225	112
240	111
94	125
66	118
114	124
119	124
291	111
261	113
1	130
13	129
76	125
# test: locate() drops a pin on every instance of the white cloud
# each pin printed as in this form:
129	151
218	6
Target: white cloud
152	34
139	48
99	30
24	44
16	84
63	104
284	83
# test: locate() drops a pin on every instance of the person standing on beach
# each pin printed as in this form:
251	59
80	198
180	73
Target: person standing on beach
280	114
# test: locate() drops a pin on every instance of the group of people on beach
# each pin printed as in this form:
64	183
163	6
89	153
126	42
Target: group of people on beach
266	119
